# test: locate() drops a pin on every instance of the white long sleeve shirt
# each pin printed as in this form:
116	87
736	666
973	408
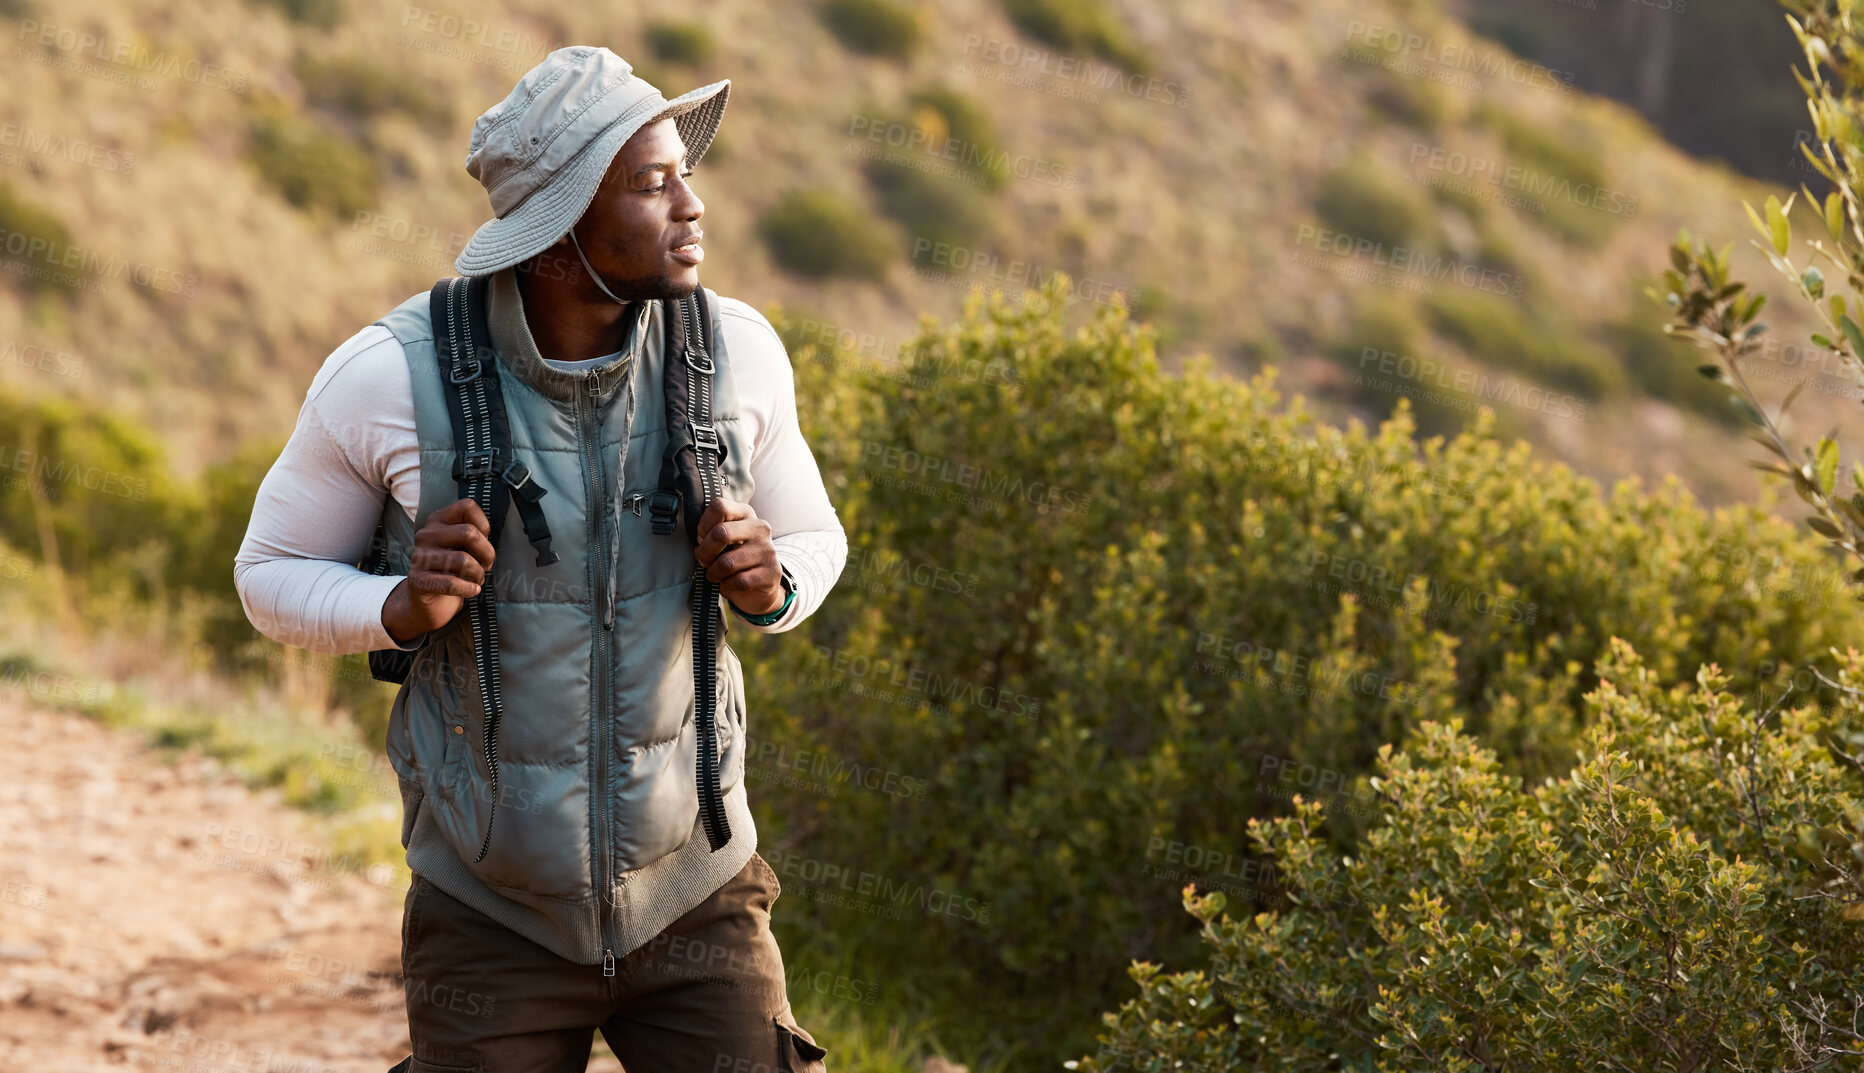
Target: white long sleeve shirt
355	442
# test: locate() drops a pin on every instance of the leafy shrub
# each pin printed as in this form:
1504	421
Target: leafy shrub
943	113
1409	101
875	27
1079	25
323	14
819	234
933	209
688	43
311	165
34	225
1502	334
1665	367
1358	199
1687	898
1169	589
363	89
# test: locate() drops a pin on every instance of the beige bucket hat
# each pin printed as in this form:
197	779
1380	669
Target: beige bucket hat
542	151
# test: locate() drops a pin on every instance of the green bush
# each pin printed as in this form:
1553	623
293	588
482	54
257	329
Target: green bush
931	208
311	165
689	43
1080	25
34	225
1501	333
874	27
1665	367
1356	198
1097	609
968	124
322	14
1687	898
820	234
363	89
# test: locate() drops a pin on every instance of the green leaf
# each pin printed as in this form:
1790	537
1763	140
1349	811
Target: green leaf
1825	465
1853	335
1835	215
1824	528
1777	228
1812	279
1824	342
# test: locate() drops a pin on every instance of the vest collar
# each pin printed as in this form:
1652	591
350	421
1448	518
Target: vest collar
511	337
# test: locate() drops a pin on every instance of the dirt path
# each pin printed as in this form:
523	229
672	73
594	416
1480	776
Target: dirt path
163	917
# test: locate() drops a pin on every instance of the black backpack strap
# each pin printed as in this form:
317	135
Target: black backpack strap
487	473
689	474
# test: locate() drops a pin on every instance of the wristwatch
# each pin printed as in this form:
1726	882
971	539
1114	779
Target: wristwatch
768	617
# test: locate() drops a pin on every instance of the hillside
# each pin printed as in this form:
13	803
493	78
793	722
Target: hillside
154	150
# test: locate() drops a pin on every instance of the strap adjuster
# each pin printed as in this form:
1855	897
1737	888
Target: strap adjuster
515	473
705	436
708	368
471	372
468	464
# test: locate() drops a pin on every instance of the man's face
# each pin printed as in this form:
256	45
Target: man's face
641	231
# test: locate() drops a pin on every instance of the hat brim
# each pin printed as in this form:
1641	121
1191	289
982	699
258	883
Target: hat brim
547	215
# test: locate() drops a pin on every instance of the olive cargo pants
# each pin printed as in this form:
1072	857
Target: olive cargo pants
706	995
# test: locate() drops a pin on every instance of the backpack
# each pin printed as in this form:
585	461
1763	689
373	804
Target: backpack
491	475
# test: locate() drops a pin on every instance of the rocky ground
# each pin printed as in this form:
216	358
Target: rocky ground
161	916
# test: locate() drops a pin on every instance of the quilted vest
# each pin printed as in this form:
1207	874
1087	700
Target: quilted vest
597	746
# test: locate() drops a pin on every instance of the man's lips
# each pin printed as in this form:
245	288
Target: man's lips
690	252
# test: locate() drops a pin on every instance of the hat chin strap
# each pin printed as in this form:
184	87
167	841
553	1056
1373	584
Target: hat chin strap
591	271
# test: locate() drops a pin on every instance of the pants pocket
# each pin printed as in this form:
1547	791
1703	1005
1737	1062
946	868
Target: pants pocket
797	1050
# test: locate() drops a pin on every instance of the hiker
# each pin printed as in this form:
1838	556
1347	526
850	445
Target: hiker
569	738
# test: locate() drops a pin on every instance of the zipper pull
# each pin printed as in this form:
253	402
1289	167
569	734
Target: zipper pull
634	502
608	962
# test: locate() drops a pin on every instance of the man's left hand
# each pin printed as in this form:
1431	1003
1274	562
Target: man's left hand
735	549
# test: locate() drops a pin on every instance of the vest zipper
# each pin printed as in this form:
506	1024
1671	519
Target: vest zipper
592	451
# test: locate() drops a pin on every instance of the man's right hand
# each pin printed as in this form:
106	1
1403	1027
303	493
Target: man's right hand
447	567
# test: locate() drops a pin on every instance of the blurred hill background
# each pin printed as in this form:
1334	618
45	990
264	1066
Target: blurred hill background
280	172
1394	205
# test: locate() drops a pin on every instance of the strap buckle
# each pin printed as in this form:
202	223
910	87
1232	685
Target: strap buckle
705	436
468	464
515	473
708	368
663	505
471	371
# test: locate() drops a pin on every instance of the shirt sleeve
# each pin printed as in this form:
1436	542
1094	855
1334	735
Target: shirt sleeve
317	507
787	485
